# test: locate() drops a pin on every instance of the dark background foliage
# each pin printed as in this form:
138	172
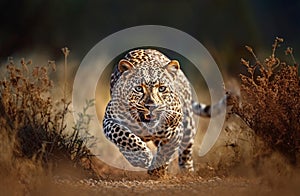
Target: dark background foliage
224	27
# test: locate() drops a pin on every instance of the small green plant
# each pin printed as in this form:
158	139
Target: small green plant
270	101
77	141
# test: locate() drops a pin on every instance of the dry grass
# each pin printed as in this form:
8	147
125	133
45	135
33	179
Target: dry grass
270	102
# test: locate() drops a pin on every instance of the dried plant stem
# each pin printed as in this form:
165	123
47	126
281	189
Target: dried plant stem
289	51
276	45
66	52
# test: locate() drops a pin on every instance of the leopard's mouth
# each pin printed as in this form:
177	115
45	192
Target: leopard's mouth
149	119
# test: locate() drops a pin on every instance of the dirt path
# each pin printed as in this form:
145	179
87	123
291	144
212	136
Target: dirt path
172	186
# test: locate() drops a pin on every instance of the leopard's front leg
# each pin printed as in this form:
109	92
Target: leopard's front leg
166	148
129	144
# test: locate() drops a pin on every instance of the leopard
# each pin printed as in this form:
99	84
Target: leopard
151	101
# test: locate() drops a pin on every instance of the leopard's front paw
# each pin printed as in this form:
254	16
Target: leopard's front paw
158	172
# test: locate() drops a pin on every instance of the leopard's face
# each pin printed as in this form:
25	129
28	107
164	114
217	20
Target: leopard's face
150	96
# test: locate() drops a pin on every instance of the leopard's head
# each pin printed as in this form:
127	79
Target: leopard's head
149	94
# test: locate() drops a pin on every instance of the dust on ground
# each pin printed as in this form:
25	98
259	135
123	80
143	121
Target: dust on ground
172	185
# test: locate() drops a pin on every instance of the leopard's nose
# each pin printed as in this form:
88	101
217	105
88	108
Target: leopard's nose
151	107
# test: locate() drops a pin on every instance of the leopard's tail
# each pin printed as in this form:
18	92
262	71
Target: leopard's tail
204	110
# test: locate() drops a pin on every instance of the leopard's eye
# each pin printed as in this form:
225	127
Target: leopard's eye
162	89
138	89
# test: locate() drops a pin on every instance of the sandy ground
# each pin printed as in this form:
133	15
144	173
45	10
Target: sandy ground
179	185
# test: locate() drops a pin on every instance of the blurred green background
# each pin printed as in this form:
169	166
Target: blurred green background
223	27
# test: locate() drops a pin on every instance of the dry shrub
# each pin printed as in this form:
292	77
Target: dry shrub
33	128
270	102
28	106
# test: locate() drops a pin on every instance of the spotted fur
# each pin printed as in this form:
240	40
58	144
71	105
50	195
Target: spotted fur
151	100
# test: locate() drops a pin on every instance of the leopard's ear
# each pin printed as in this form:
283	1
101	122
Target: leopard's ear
124	65
173	66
